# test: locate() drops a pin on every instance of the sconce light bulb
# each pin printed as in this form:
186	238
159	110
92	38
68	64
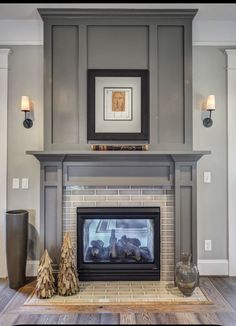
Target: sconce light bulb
25	103
211	103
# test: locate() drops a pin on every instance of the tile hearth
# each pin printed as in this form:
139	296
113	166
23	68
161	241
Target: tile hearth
123	292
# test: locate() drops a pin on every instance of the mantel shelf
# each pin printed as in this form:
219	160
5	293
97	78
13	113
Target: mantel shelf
64	155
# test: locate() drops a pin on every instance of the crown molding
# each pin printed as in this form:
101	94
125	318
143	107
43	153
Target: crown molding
46	13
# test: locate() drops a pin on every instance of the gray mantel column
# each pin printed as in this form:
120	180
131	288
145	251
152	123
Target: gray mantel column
51	207
185	205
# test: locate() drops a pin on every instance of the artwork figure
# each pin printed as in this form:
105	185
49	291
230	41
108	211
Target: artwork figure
118	101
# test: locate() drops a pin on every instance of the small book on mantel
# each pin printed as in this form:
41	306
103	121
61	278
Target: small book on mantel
119	147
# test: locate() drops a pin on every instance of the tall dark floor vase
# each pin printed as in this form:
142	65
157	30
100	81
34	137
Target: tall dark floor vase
16	246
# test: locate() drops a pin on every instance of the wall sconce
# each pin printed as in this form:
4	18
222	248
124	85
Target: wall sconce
25	107
210	106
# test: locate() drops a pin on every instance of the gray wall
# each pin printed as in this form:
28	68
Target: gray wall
25	78
209	76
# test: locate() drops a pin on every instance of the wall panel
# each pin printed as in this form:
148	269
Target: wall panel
118	47
170	95
65	84
50	214
185	220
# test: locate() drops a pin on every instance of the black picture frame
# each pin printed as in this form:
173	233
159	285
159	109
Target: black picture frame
92	135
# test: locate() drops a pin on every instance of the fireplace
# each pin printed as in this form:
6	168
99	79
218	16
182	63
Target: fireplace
118	243
87	179
68	162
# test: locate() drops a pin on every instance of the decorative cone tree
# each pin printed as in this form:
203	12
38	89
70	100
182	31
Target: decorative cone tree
68	282
45	286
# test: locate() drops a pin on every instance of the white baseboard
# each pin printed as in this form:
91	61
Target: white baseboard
32	267
206	267
213	267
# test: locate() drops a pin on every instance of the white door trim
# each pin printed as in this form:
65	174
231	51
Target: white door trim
3	156
231	123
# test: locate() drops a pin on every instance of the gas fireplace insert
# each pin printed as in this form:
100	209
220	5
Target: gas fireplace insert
118	243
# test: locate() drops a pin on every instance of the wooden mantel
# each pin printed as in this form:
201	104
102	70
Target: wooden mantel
176	169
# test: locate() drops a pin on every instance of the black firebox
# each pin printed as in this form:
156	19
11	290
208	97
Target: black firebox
118	243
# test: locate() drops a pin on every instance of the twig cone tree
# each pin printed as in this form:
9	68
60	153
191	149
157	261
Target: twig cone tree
45	286
68	282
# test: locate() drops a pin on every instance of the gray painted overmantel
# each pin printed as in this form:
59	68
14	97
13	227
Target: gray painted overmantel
177	169
157	40
76	40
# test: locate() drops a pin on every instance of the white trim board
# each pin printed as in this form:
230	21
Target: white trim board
196	43
215	43
205	32
21	32
19	42
231	122
206	267
32	267
3	157
213	267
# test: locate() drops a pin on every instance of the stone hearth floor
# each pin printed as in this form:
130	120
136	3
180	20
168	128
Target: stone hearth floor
123	292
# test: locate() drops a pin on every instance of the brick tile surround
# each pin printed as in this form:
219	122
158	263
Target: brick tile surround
117	196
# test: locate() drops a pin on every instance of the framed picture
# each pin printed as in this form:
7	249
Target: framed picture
118	105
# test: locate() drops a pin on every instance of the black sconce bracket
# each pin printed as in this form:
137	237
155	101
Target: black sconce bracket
27	123
208	122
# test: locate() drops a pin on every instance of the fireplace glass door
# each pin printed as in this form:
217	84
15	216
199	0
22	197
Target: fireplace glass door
118	240
118	243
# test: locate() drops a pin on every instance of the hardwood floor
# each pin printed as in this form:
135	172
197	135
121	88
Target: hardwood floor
220	290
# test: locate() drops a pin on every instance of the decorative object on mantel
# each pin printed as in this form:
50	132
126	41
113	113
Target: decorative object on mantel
45	286
16	246
68	282
210	106
118	105
119	147
186	274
